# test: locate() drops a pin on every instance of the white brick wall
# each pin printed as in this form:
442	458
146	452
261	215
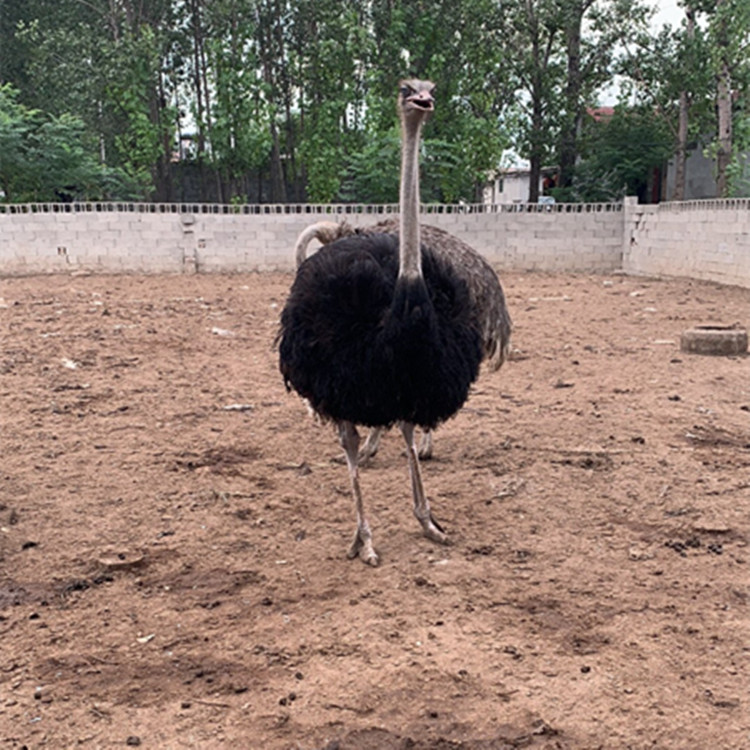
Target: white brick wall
150	238
703	239
708	240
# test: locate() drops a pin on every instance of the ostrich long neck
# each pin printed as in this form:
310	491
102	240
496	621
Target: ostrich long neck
410	263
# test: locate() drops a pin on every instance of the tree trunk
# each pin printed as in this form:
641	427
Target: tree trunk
535	173
536	135
271	76
278	187
537	150
724	107
678	193
571	125
161	172
197	81
288	169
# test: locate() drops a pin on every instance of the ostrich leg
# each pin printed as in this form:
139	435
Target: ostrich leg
370	448
425	446
362	544
430	526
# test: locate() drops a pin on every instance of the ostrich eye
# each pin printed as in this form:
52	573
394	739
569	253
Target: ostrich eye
406	91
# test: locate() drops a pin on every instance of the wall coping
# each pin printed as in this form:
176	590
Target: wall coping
267	209
344	209
706	203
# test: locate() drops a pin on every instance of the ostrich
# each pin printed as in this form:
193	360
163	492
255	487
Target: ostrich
377	331
485	293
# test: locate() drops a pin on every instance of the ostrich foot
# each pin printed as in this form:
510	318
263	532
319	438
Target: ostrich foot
362	548
433	530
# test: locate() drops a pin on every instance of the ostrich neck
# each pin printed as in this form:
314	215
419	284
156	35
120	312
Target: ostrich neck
409	254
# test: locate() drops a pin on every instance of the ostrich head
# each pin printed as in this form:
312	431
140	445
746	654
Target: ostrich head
415	99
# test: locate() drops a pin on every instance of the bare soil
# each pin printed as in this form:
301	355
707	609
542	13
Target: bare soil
174	527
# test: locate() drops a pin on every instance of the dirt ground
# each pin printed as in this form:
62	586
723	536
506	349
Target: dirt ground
174	527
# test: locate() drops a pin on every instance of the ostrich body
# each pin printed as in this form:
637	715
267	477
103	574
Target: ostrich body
378	330
486	295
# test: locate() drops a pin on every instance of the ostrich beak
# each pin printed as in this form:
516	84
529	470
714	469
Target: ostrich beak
422	100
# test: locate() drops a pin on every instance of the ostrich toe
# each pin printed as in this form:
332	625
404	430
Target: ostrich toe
362	548
433	530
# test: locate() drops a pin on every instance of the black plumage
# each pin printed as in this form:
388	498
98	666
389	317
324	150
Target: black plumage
367	346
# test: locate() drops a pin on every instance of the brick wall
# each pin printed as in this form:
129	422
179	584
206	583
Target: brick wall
707	240
703	239
152	238
50	238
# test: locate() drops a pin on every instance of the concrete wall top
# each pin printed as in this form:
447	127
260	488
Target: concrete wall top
714	204
301	209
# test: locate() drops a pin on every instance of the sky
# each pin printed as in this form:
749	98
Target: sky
667	12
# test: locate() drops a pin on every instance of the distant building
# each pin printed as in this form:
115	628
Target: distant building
512	185
700	175
700	170
601	114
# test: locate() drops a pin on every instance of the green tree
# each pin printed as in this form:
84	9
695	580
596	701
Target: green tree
534	32
729	36
240	139
111	64
698	79
467	61
592	30
46	157
16	123
327	44
300	95
370	175
144	129
621	155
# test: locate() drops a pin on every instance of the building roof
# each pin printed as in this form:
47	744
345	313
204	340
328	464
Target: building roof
601	113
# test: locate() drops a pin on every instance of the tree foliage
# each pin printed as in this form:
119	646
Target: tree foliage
47	158
289	100
621	156
702	71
